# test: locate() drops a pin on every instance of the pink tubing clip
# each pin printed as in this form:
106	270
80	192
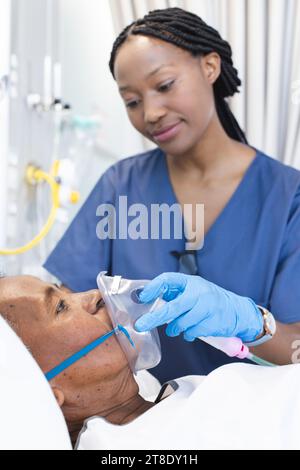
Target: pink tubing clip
235	348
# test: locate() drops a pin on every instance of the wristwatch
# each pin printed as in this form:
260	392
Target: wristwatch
269	328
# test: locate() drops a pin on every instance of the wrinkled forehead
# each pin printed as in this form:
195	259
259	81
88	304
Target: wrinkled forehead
22	299
15	287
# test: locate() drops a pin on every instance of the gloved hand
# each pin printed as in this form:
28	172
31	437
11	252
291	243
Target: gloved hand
199	308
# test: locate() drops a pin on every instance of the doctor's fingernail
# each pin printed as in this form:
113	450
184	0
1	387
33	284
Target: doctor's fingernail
139	327
190	339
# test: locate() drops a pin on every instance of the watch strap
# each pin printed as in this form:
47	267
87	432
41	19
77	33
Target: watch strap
268	334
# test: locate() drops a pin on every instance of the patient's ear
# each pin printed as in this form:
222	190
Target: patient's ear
59	395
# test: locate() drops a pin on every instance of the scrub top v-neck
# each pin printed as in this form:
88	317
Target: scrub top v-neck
252	248
233	200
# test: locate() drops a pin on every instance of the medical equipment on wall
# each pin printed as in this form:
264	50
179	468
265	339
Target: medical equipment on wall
142	350
50	112
61	195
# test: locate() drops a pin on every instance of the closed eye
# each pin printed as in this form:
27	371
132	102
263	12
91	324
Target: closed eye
167	86
163	88
132	104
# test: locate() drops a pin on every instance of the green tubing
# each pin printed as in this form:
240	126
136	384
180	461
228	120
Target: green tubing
260	361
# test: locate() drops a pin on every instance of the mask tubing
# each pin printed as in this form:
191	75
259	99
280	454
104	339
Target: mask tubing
78	355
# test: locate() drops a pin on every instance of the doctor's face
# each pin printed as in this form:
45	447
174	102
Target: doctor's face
163	85
55	324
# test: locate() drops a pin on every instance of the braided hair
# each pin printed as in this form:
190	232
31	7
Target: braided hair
188	31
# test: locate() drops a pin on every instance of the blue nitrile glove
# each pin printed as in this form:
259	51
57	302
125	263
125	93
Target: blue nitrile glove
199	308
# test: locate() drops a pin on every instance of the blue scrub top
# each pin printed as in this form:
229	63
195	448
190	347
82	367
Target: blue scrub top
252	249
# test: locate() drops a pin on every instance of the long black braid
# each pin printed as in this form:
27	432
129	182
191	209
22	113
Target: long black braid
188	31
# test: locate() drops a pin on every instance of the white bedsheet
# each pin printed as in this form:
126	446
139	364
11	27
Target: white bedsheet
238	406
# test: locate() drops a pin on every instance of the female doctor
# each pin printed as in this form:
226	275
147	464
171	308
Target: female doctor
173	73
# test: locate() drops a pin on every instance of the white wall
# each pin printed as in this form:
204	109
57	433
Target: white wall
4	106
86	38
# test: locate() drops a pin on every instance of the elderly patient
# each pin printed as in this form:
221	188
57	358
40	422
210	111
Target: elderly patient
55	324
236	406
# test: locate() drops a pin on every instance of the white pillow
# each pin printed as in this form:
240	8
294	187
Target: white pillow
29	415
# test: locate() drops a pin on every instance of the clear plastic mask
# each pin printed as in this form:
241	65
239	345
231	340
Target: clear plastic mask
124	308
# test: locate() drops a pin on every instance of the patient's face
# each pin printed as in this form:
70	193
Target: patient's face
55	324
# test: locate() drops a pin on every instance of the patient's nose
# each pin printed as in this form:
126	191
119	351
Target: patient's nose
92	301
